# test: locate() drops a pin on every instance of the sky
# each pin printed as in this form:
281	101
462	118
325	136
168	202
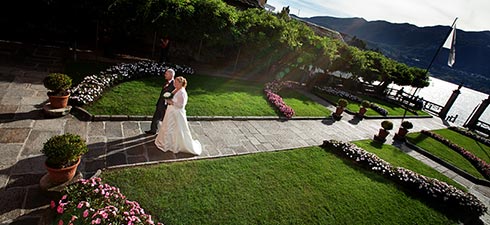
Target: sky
473	15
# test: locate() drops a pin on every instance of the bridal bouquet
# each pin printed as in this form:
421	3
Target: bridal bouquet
167	95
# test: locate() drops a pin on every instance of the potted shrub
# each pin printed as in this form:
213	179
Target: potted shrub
403	130
364	106
341	104
63	154
386	126
58	84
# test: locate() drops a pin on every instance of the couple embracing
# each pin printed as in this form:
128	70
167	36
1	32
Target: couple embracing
174	134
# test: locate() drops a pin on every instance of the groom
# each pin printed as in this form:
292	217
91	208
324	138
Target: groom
161	103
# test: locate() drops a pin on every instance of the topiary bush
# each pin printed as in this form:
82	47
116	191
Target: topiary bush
366	104
342	102
64	150
58	83
407	125
387	125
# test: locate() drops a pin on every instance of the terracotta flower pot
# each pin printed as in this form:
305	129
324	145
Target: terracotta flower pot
402	132
400	136
339	110
361	112
60	176
382	134
58	102
337	115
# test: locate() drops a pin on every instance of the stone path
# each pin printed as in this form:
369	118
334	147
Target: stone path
23	130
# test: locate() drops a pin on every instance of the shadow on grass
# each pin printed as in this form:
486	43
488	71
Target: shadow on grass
481	148
376	144
417	139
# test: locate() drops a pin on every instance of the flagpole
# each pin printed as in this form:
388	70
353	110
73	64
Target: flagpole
433	59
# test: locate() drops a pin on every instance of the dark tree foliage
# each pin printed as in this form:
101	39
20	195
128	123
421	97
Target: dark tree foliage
210	28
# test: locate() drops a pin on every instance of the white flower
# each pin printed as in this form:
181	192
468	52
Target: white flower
167	95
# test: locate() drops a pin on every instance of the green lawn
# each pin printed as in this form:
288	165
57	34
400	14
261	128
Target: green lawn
479	149
208	96
443	152
398	158
393	110
302	105
301	186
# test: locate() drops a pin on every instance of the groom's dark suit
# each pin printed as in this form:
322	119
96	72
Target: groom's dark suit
160	107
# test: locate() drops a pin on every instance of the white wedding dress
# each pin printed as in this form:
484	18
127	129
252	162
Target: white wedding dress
174	134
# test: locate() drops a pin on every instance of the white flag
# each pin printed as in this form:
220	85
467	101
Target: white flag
451	45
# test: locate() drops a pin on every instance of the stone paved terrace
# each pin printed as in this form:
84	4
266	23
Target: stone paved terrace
23	130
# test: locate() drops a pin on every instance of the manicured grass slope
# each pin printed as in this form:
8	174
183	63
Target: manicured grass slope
302	105
302	186
208	96
443	152
479	149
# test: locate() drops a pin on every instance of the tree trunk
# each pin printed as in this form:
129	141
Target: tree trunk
236	60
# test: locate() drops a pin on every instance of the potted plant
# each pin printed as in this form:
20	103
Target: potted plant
341	104
403	130
58	84
364	106
63	154
386	126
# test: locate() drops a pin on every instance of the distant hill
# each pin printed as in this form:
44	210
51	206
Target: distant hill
416	46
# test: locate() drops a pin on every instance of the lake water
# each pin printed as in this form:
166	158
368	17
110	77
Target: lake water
439	92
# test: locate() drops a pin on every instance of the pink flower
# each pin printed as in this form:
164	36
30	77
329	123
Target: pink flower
59	209
64	197
80	205
60	222
96	221
52	204
85	213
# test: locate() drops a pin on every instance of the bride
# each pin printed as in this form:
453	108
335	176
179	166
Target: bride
174	134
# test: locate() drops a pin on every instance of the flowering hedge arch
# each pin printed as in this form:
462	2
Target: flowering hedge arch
431	188
93	86
272	88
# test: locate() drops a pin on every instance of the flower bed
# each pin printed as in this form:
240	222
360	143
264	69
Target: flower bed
272	88
92	202
379	109
349	96
340	93
470	134
433	189
92	87
481	165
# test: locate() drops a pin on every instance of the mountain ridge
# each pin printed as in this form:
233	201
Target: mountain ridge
416	46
